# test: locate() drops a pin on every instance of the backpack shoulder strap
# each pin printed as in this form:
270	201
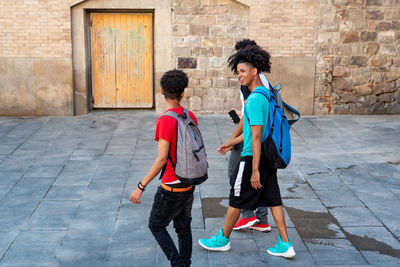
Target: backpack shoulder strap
293	110
171	114
175	116
267	93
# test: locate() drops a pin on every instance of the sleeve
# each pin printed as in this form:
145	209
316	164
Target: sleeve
245	91
193	117
165	128
242	101
255	111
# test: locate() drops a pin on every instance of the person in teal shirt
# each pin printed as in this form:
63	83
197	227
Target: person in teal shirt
256	183
256	113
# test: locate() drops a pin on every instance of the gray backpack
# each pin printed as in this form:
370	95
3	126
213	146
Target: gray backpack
191	159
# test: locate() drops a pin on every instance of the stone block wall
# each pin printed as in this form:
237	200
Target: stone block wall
35	58
358	57
332	56
204	33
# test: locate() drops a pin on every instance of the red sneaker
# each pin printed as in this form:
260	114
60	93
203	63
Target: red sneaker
244	223
261	227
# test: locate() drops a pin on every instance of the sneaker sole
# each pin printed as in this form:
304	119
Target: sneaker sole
224	248
261	229
288	254
247	225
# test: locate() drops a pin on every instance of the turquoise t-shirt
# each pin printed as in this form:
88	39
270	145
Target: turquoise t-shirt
257	109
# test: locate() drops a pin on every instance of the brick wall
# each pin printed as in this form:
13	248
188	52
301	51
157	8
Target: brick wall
35	58
284	28
35	28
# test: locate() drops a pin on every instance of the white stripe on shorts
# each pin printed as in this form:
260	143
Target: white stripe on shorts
238	181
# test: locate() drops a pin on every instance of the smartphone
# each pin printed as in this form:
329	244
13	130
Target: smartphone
234	116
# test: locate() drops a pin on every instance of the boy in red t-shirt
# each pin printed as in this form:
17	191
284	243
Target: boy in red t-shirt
173	200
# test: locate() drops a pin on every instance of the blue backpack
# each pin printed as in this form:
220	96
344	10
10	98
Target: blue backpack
276	141
289	111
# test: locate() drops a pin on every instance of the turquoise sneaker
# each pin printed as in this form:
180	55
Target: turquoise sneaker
216	243
283	249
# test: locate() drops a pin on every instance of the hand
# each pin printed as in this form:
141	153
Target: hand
224	148
135	196
255	180
237	112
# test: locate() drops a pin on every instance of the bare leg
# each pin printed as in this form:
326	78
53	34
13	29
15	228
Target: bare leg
232	215
279	218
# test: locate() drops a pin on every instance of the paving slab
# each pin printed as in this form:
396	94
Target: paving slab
81	252
294	190
73	179
339	198
35	248
334	252
7	238
66	192
53	215
372	238
10	178
43	171
92	224
68	179
214	190
355	216
377	259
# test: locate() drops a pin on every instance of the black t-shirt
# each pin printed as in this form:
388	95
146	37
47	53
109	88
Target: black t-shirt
245	91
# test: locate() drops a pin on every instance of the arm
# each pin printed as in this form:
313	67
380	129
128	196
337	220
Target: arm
228	145
256	131
158	164
236	138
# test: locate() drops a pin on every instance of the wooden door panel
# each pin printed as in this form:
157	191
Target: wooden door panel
135	84
122	60
103	62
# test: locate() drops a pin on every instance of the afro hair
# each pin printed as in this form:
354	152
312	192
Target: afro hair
244	43
253	55
174	83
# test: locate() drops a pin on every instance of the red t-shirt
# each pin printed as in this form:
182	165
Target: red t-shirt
166	130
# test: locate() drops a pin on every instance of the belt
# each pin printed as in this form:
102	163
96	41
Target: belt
176	189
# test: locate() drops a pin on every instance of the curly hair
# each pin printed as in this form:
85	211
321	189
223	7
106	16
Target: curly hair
253	55
244	43
174	83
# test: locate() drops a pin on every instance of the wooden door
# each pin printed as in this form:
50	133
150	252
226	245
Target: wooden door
122	60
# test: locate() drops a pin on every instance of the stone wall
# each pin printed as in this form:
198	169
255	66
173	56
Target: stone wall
35	58
332	56
358	57
204	33
203	36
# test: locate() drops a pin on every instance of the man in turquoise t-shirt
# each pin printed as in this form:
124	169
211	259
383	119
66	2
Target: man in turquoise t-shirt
256	183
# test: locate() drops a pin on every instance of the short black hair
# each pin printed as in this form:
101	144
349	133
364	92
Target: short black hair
174	83
253	55
244	43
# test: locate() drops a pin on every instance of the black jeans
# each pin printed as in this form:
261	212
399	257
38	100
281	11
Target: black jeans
176	207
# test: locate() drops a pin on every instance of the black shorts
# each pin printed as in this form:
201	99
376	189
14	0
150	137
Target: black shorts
244	196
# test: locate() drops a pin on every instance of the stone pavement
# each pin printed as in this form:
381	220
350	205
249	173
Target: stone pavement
65	182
